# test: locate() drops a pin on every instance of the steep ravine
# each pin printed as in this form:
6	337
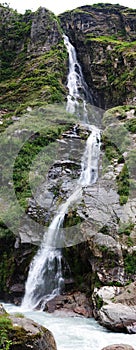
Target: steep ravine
33	75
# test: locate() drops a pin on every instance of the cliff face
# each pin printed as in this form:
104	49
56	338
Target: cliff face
33	60
104	38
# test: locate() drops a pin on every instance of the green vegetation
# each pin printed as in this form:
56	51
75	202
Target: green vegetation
72	218
19	315
39	81
125	228
118	76
28	78
130	263
76	257
5	328
131	125
13	27
117	113
111	39
99	302
118	122
7	263
123	184
104	39
105	230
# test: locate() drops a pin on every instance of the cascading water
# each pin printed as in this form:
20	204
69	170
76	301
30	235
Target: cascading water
79	93
45	275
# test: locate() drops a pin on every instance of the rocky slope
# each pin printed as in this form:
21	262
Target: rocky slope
33	76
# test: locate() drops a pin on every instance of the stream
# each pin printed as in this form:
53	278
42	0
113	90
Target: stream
75	333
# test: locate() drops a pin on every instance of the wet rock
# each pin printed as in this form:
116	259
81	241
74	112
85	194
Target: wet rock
73	303
118	347
28	334
17	288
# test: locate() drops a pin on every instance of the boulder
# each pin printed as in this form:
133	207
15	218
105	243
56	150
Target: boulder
27	332
118	347
72	303
118	317
23	333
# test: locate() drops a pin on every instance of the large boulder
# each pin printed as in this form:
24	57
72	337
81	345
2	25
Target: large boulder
23	333
118	317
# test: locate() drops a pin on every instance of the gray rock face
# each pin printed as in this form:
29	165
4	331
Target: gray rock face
45	32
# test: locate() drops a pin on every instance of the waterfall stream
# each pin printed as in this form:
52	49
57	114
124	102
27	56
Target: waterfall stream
78	92
45	278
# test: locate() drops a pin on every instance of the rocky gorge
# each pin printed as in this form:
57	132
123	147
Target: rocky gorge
99	267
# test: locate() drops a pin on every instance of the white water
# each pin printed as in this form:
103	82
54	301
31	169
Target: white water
76	333
45	275
78	94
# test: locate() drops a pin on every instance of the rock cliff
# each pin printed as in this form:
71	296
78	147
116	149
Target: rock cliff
33	61
104	38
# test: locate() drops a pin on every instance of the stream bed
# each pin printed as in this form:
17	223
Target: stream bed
75	333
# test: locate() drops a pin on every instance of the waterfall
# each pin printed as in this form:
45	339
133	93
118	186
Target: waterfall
78	92
45	278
